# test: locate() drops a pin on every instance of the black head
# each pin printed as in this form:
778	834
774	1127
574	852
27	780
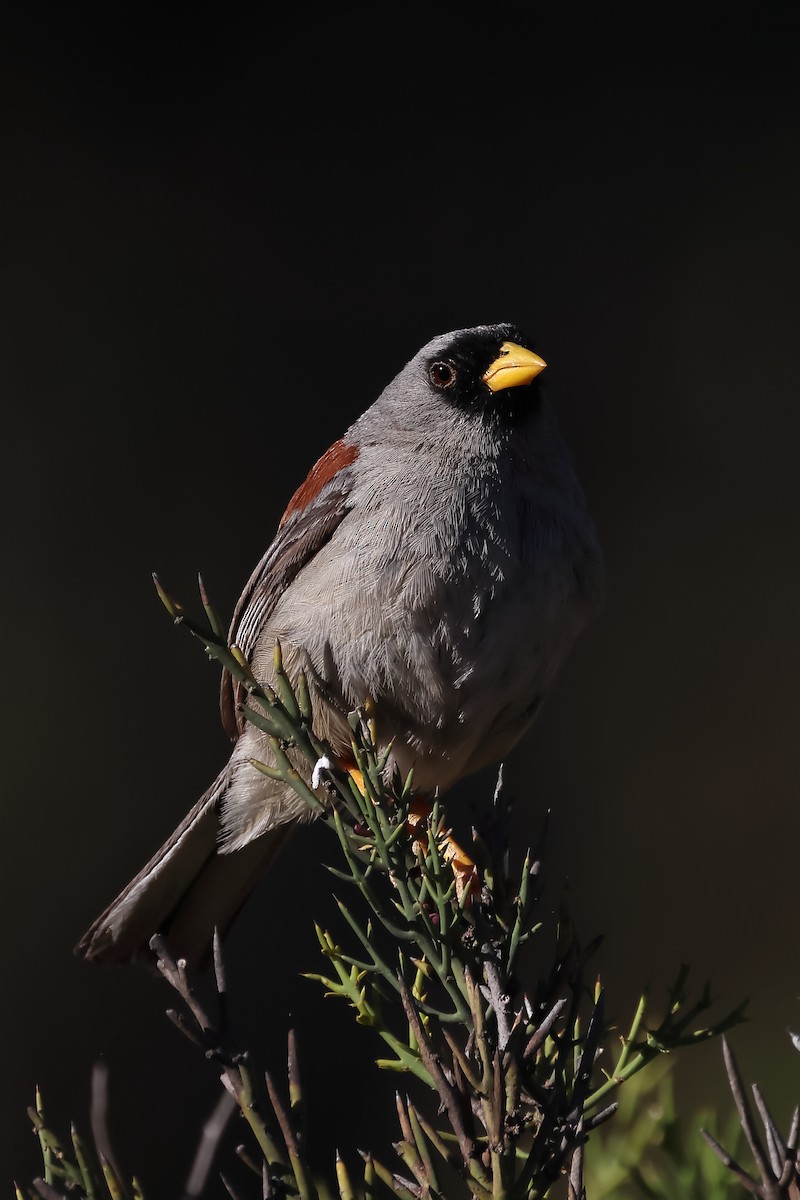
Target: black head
490	370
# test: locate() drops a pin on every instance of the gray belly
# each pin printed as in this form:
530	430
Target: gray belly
456	653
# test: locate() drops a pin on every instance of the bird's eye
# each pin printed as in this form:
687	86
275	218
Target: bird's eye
442	374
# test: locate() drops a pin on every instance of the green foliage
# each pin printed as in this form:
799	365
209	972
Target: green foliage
74	1166
651	1152
503	1087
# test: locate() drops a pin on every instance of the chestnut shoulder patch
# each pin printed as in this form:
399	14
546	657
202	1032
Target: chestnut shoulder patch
340	455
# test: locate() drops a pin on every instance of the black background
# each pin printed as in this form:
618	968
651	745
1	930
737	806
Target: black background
222	235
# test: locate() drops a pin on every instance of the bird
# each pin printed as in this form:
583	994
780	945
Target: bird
438	562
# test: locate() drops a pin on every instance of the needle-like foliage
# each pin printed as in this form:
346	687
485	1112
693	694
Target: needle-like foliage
501	1084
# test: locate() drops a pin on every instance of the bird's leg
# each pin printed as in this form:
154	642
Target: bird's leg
464	870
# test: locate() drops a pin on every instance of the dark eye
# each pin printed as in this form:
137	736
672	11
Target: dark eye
442	374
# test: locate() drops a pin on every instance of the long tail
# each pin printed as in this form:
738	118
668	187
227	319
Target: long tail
184	892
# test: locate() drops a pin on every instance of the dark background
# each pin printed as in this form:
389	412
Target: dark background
221	236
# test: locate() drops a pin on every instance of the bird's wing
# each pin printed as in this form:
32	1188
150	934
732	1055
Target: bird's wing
302	533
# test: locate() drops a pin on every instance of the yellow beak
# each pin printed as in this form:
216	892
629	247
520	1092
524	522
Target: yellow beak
513	367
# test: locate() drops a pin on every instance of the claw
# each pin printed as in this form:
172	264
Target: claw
464	869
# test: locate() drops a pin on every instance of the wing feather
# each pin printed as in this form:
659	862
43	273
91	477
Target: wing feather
302	535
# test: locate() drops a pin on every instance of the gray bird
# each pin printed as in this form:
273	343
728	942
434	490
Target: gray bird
440	561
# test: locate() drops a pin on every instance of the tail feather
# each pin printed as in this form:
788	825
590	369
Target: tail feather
185	891
215	896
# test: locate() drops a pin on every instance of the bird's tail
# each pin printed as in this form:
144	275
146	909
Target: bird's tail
186	891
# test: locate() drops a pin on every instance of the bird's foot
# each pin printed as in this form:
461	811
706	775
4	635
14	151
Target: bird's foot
464	869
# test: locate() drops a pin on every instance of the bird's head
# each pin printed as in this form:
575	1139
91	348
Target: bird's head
489	373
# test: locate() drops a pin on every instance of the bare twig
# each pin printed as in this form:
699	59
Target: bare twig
576	1190
745	1115
98	1118
775	1143
213	1130
544	1027
47	1191
722	1154
448	1095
